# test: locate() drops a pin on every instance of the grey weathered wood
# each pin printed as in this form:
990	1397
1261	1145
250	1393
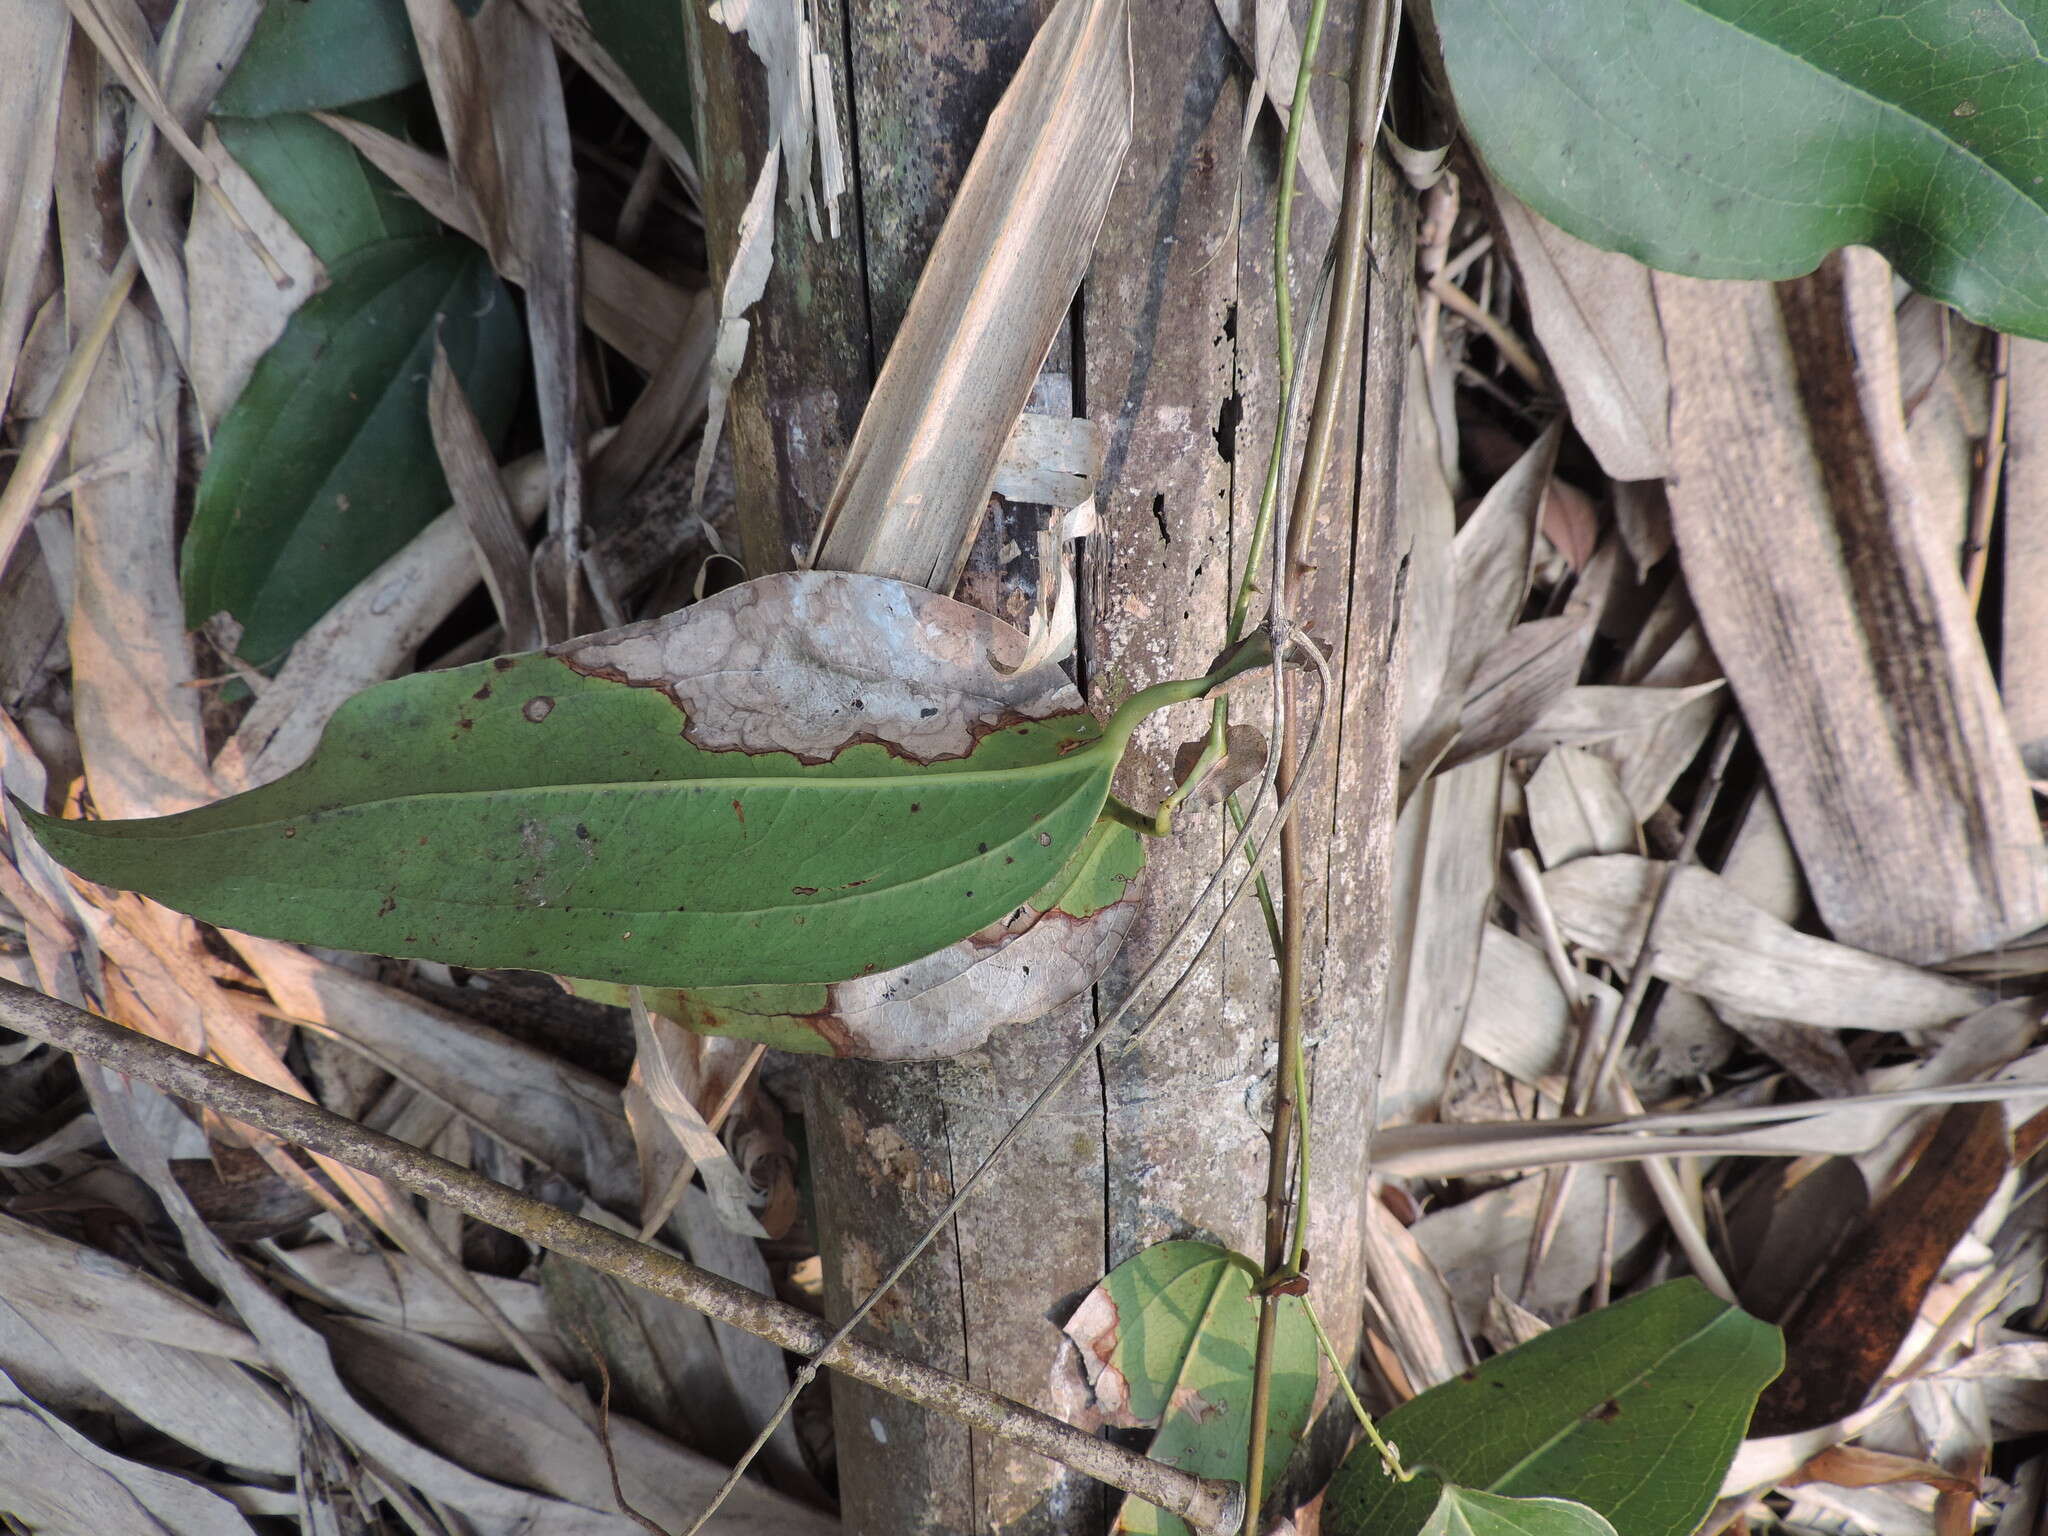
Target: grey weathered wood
1175	332
1838	613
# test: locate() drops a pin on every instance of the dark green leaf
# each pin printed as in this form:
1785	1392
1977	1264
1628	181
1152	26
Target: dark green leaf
1722	138
325	466
315	55
1168	1337
1634	1411
572	811
334	198
647	39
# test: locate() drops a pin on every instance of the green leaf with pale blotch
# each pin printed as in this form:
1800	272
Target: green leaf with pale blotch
315	55
1168	1338
1021	967
325	465
1634	1411
775	786
1467	1512
1722	138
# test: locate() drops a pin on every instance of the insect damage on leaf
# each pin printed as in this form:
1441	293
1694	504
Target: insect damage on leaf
807	779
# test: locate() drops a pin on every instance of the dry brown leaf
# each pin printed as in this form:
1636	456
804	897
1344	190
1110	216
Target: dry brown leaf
1578	717
661	1071
398	1289
1576	807
1488	1237
1518	1018
136	713
2023	653
1596	317
1867	691
32	50
995	291
1643	518
478	491
58	1480
1714	942
453	61
1445	847
498	1422
1421	1317
1518	680
1855	1466
1267	42
237	309
1428	526
523	85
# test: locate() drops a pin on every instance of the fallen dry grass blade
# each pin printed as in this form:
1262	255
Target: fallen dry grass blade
1716	943
2023	673
1839	613
1596	316
478	490
995	291
456	78
523	82
569	27
32	51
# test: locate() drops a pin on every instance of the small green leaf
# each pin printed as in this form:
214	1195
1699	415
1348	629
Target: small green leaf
1722	138
1634	1411
1169	1337
315	55
559	811
325	466
1466	1512
334	198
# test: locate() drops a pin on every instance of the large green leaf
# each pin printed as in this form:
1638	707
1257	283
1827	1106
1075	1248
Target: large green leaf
1723	138
1634	1411
1043	953
334	198
1168	1338
315	55
326	466
559	811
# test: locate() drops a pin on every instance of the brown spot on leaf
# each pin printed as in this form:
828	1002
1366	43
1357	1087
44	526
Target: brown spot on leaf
537	708
1611	1409
291	831
386	907
739	811
803	890
485	691
503	663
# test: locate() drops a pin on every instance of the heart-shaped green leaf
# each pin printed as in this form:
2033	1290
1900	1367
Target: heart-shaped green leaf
1722	138
314	55
1168	1337
696	802
325	466
1467	1512
1634	1411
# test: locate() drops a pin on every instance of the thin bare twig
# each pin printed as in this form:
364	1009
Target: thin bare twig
1207	1505
1984	497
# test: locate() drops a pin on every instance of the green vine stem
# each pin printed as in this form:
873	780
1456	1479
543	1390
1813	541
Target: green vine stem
1372	51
